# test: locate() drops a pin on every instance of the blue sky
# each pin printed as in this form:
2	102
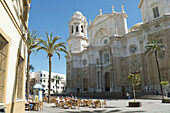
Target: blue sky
53	16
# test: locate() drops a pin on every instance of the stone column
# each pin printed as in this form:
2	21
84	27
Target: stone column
100	75
74	29
79	29
97	79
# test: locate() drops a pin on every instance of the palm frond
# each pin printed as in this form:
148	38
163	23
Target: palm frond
153	46
57	54
48	38
42	48
55	39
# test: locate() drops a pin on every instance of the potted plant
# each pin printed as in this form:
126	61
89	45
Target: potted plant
165	85
134	78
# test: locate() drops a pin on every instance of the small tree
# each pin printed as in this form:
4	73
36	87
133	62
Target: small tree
134	78
165	84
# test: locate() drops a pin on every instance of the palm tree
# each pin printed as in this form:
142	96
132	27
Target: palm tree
154	46
50	46
33	42
134	78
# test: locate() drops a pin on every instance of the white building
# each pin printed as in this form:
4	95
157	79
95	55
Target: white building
58	81
14	16
103	61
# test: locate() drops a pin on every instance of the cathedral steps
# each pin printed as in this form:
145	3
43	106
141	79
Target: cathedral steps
110	95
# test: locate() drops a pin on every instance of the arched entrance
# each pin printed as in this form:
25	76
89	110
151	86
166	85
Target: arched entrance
107	81
85	84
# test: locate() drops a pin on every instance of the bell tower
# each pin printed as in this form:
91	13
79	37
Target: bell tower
153	9
77	40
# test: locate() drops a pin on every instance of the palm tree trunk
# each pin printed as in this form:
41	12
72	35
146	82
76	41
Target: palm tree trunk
159	74
49	81
28	76
134	92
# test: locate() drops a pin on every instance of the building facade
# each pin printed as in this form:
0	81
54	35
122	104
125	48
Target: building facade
102	61
14	16
58	81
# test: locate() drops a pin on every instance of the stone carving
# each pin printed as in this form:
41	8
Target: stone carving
103	32
115	44
85	74
134	67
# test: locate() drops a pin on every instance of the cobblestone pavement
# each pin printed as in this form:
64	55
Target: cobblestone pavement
113	106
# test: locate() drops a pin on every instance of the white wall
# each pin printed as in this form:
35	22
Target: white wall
10	30
61	84
148	5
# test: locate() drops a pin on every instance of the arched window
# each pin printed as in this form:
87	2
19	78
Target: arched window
72	29
77	29
82	30
155	12
106	58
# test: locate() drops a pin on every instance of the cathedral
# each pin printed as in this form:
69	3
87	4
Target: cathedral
102	61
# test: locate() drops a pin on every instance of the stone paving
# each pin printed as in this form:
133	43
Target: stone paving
113	106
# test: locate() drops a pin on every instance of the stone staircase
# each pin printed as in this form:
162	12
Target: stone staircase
110	95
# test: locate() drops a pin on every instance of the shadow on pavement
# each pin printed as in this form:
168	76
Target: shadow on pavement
111	107
79	112
117	110
99	111
133	111
94	111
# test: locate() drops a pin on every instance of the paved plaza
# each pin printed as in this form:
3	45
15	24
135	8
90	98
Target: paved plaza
113	106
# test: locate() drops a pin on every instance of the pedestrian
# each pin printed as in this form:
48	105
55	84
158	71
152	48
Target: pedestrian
127	95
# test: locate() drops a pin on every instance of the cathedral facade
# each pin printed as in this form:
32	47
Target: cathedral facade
102	61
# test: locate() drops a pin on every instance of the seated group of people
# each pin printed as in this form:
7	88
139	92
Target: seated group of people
27	103
68	101
65	99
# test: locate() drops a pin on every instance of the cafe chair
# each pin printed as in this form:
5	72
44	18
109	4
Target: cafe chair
90	103
104	103
27	107
61	104
69	104
40	105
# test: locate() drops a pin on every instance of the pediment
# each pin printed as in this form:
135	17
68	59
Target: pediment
99	19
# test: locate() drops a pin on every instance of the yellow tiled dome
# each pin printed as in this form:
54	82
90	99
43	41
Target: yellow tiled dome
136	26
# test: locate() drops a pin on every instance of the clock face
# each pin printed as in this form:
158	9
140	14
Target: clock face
133	49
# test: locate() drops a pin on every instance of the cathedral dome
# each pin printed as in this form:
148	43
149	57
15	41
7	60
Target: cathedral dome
136	26
78	13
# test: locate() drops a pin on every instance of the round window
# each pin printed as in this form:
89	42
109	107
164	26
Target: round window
84	62
105	41
133	49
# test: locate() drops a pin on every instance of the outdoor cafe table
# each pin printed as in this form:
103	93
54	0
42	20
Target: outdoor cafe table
85	102
74	101
35	105
97	103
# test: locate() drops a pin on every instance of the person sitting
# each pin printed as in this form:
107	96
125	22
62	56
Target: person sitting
67	98
27	104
